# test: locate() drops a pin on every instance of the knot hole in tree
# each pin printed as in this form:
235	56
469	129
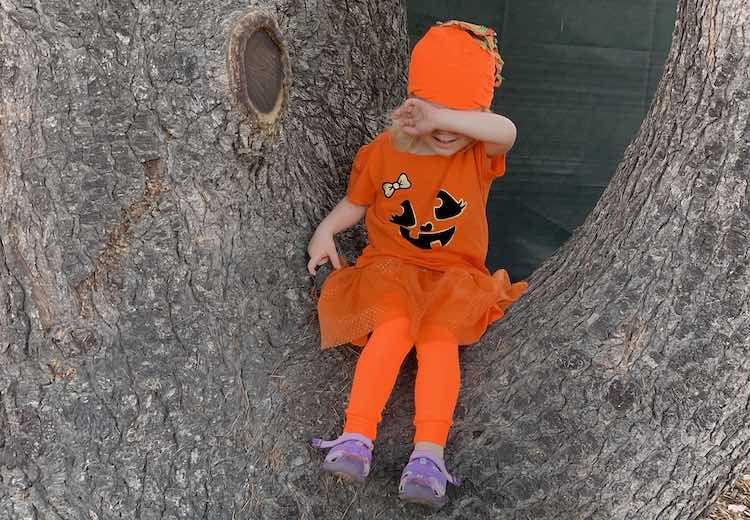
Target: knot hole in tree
258	65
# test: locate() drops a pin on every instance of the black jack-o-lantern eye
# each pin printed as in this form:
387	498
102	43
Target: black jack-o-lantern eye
449	207
407	218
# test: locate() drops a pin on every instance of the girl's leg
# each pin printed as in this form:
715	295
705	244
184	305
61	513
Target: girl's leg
435	392
425	477
376	372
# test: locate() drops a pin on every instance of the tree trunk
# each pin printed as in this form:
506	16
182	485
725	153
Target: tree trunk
157	330
158	342
620	386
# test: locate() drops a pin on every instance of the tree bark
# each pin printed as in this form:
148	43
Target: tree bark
157	331
158	342
620	386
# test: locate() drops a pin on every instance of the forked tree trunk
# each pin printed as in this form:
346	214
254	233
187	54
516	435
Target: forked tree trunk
158	343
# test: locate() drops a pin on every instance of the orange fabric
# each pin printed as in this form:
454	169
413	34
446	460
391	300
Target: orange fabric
435	392
456	65
457	185
375	375
427	245
486	38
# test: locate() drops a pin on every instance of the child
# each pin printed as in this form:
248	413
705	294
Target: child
422	187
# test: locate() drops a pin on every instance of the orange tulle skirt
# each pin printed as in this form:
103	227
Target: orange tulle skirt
457	304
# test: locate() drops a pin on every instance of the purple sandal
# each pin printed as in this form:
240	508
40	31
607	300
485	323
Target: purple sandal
424	480
349	457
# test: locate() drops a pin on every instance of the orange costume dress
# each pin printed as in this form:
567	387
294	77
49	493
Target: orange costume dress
427	244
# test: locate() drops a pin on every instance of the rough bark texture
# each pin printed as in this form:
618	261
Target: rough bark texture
158	350
158	344
620	386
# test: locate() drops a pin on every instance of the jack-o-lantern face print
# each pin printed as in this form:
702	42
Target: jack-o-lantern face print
449	208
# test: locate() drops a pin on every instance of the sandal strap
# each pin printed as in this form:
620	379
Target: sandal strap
344	437
421	454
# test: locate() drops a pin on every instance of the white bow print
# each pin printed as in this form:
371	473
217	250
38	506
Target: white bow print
401	183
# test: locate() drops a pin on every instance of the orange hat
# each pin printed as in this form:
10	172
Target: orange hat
456	64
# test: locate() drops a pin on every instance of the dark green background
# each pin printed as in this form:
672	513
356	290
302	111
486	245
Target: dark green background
579	77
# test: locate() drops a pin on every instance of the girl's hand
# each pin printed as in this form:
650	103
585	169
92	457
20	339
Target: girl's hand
416	117
321	250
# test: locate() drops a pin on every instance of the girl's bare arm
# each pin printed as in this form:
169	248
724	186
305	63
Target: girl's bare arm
418	117
498	132
322	247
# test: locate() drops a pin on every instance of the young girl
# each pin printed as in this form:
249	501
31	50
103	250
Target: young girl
421	281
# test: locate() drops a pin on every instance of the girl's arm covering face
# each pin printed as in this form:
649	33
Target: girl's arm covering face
498	132
419	117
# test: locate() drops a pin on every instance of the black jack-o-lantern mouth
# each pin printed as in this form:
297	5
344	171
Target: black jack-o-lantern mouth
449	208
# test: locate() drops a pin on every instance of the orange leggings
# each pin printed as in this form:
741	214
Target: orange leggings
435	391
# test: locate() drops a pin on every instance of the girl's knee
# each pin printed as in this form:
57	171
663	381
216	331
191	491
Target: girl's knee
391	339
438	351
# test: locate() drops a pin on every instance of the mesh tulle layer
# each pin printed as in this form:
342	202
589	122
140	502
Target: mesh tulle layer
457	304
